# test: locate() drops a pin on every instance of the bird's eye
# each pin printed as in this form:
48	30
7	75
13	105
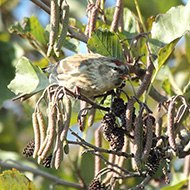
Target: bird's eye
115	68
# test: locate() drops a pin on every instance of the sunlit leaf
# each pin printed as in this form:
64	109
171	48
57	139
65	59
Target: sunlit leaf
106	43
14	180
29	78
170	26
30	28
164	53
177	182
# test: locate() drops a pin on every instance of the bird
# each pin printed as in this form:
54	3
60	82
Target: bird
88	74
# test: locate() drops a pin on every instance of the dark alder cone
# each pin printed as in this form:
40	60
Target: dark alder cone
107	131
29	149
123	119
118	106
108	124
109	119
95	184
153	161
47	161
117	139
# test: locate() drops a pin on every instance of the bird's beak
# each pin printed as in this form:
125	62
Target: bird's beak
125	77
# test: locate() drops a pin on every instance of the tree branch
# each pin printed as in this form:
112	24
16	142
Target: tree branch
56	180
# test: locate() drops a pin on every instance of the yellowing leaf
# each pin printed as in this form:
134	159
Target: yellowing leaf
14	180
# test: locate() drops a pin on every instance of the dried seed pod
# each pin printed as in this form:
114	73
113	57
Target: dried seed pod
149	135
29	149
42	127
36	134
170	124
65	23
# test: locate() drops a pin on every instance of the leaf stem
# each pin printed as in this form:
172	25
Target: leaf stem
140	15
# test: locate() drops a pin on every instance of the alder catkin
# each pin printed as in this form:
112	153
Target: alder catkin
36	134
54	25
138	141
170	125
42	127
67	118
63	35
149	136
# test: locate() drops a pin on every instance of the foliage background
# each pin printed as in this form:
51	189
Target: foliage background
15	117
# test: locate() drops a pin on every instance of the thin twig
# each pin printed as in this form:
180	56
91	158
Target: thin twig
97	149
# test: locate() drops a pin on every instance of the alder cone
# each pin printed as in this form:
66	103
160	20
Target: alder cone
95	184
117	139
29	149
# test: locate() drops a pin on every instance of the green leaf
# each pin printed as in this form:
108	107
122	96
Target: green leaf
29	78
186	90
71	44
170	26
86	167
167	87
106	43
31	29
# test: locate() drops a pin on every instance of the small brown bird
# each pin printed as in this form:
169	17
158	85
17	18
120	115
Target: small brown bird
91	74
87	74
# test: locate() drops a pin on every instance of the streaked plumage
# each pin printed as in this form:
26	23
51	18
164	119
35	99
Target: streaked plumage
92	74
